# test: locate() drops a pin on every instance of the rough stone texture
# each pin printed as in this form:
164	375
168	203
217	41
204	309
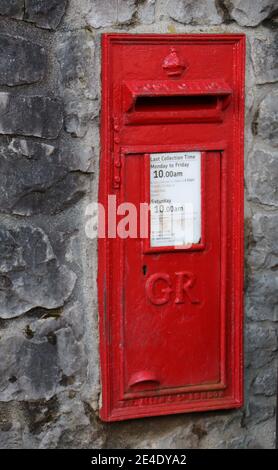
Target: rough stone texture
265	383
45	13
263	177
266	124
37	359
27	258
261	292
38	178
250	12
37	116
49	147
265	230
12	8
74	53
43	360
118	12
190	11
21	61
260	337
265	57
146	11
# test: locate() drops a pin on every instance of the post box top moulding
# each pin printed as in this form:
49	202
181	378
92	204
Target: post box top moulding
177	39
166	38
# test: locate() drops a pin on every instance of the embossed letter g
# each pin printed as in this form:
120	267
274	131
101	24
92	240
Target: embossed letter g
165	291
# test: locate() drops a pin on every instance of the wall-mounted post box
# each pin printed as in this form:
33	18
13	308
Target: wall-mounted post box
170	295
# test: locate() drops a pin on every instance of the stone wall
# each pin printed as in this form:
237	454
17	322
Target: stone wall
49	131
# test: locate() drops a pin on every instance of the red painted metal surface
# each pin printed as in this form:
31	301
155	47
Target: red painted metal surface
171	317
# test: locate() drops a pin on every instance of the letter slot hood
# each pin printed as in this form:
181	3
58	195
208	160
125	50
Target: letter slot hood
156	101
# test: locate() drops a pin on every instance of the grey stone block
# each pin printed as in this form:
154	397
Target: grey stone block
260	338
75	54
146	11
116	12
265	57
12	8
30	273
38	116
267	120
263	287
259	412
250	12
265	229
21	61
192	12
28	369
262	177
264	253
266	382
36	178
45	13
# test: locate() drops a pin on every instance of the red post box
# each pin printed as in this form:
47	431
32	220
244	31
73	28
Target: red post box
170	294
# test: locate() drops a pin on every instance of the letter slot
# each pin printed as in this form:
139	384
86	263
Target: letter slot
175	101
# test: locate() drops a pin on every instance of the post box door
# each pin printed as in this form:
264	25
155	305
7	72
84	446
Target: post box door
170	289
171	327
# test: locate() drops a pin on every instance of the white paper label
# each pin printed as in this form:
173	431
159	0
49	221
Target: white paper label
175	196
